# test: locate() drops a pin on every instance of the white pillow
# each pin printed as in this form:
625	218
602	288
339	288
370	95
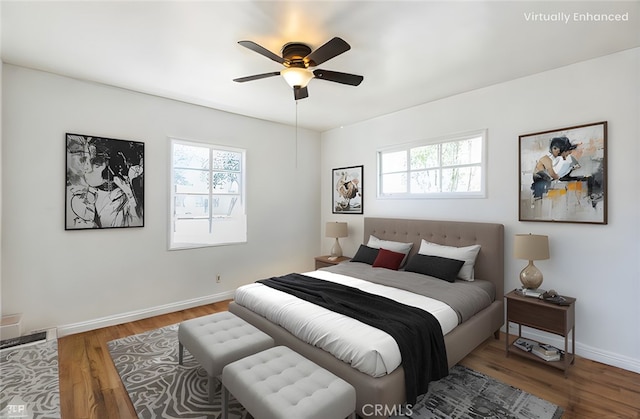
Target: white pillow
399	247
468	254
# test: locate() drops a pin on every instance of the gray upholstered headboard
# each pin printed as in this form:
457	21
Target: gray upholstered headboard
490	262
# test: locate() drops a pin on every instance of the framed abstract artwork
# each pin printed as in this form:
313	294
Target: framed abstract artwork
347	190
563	175
104	183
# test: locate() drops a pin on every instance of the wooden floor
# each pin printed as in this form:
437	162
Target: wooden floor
91	388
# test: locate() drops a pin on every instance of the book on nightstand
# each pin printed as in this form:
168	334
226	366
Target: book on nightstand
534	293
548	349
547	352
525	344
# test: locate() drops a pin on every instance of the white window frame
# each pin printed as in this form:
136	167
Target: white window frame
208	238
439	140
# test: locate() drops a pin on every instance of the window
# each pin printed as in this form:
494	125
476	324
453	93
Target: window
451	167
207	195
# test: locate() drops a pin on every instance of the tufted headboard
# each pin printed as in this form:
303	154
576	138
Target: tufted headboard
490	262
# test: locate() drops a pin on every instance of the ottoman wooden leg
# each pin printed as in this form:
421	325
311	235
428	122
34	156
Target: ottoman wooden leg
225	403
180	353
212	388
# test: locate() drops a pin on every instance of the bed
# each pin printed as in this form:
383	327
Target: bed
388	390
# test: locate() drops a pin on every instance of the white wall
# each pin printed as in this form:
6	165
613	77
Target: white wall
83	279
598	264
1	67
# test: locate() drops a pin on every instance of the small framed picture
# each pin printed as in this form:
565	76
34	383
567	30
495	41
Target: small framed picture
563	175
104	183
347	190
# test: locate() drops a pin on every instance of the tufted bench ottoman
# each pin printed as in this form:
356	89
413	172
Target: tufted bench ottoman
281	384
219	339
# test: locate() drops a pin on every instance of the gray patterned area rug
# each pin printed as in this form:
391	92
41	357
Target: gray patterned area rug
161	388
158	386
466	393
29	385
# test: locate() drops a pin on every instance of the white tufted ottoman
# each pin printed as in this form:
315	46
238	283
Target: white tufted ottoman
281	384
219	339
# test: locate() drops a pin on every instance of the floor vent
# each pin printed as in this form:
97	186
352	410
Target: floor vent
23	340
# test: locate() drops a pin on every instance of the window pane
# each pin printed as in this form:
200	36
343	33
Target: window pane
226	182
475	150
191	181
191	231
223	205
425	181
190	206
463	179
226	160
190	156
394	183
394	162
424	157
209	232
207	206
447	168
462	152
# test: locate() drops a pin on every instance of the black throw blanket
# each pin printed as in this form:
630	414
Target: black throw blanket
417	332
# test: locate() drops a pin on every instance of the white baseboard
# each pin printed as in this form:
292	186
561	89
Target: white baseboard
71	329
585	351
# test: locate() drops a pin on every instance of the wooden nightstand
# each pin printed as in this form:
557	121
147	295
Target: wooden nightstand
323	261
538	314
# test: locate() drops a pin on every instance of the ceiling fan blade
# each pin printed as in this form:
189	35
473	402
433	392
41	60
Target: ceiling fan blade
333	48
336	76
262	51
300	92
257	77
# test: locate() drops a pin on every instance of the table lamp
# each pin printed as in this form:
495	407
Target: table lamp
531	247
336	229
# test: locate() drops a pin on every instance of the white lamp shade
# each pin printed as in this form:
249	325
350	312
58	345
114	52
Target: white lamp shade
335	229
296	76
531	247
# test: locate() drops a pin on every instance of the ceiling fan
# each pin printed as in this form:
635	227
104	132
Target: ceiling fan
297	58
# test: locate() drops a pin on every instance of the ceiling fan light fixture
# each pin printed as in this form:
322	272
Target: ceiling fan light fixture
296	76
297	58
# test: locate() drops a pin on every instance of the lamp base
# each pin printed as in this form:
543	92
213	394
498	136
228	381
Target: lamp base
336	250
531	277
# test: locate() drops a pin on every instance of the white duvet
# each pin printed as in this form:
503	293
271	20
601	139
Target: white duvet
364	347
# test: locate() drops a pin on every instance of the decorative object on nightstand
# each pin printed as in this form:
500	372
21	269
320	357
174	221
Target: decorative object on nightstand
336	230
326	261
531	247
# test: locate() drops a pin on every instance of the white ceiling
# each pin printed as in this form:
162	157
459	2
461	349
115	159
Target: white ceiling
409	52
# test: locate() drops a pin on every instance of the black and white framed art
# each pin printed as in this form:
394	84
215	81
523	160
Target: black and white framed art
104	183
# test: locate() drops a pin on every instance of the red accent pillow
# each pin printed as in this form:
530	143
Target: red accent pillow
388	259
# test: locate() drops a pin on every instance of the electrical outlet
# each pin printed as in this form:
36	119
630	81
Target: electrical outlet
218	278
